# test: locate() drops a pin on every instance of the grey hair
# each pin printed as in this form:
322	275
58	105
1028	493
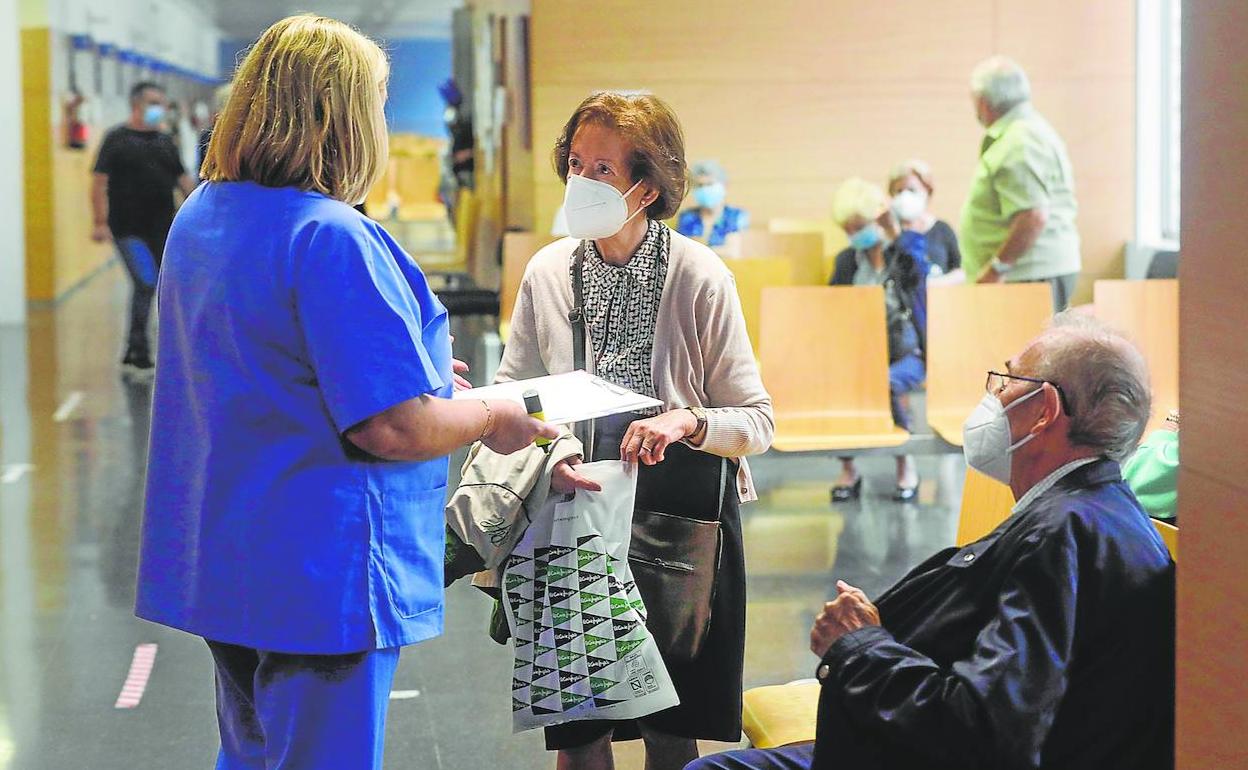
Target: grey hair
1104	380
710	168
1001	82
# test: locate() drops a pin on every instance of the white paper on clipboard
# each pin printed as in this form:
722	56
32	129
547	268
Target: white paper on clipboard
568	398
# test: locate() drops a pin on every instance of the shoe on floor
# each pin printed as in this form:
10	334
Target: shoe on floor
844	492
906	494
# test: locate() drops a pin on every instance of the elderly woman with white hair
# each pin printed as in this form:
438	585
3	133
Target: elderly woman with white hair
1018	224
910	186
711	220
881	254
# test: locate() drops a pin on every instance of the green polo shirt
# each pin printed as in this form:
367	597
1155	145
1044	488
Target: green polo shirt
1022	165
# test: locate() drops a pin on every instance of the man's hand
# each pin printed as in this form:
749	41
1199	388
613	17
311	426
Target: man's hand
101	234
850	611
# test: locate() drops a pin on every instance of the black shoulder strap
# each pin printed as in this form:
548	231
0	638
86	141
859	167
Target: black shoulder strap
577	315
584	431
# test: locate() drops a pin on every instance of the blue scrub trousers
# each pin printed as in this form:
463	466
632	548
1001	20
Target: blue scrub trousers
279	711
796	757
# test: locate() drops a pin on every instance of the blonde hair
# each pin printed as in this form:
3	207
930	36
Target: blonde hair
306	111
857	197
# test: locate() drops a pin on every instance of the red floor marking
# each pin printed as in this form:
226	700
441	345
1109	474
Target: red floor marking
136	680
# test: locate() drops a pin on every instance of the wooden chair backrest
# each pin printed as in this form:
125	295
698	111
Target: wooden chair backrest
986	503
1148	313
753	275
518	249
824	350
971	329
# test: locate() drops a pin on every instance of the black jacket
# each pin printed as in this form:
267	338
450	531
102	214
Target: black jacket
1047	644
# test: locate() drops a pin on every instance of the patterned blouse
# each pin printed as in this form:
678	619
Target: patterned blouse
621	308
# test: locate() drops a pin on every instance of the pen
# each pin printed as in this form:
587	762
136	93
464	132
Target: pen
533	405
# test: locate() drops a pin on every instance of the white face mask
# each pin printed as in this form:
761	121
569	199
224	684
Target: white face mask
909	205
986	437
594	209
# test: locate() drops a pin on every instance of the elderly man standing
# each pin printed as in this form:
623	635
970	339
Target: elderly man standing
1049	643
1018	223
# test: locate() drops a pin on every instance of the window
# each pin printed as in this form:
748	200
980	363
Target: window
1157	123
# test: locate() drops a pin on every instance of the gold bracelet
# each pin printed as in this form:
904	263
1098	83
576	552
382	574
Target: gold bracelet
489	420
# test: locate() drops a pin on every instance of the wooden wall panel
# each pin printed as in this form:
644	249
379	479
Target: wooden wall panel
794	96
1213	375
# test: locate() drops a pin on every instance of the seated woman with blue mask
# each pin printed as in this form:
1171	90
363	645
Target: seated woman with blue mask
881	254
710	221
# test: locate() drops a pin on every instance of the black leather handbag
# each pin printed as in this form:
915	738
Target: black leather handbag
676	540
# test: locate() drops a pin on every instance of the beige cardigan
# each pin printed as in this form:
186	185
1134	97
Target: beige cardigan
702	354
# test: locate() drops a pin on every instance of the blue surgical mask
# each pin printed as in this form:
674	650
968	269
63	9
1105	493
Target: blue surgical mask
153	114
868	237
709	196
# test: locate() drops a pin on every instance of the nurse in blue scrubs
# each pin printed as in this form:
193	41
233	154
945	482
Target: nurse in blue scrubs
301	417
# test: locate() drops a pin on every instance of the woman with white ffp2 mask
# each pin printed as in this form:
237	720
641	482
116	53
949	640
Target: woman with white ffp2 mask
910	188
649	309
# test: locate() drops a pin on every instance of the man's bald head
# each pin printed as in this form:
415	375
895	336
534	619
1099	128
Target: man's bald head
1104	380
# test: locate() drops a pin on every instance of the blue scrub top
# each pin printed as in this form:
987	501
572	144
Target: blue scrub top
287	317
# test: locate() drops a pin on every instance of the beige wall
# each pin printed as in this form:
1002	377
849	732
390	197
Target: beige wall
1213	593
795	95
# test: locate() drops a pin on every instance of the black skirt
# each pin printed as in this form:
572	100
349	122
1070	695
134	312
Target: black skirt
709	686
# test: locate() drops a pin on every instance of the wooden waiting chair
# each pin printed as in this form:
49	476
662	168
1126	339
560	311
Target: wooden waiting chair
1170	536
824	360
1148	313
804	250
986	503
518	249
834	238
971	329
753	276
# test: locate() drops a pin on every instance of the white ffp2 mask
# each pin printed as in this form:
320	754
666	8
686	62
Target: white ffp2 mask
594	209
909	205
986	437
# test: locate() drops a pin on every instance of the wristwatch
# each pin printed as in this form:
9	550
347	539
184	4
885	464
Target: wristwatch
1001	267
700	414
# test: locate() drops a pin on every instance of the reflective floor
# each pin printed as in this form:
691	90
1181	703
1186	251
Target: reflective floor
72	443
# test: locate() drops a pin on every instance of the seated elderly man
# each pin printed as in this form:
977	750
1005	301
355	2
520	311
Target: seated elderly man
1047	644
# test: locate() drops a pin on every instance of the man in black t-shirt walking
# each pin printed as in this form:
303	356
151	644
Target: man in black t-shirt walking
132	199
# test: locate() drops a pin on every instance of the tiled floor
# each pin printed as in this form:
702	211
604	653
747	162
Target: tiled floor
68	538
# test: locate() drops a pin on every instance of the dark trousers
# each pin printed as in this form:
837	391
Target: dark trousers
785	758
1062	287
141	257
280	711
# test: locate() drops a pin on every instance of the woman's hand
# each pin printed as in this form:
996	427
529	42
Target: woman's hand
510	428
565	480
646	440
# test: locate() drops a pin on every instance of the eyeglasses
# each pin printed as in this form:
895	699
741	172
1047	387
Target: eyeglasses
996	383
